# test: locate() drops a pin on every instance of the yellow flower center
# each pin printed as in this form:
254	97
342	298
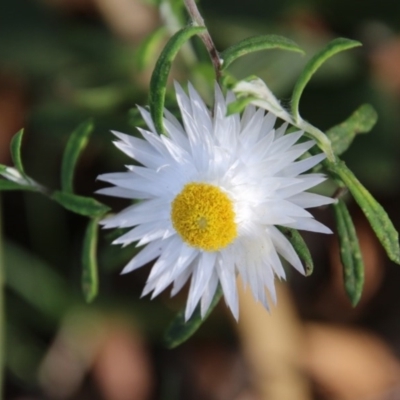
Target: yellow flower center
203	216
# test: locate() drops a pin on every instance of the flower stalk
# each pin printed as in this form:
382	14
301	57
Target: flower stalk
205	36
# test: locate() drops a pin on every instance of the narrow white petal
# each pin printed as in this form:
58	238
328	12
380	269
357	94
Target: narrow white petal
251	132
285	249
281	130
309	200
247	115
185	256
226	273
156	229
268	123
150	252
147	118
285	142
306	182
141	213
181	280
308	224
138	149
200	278
299	167
209	293
123	193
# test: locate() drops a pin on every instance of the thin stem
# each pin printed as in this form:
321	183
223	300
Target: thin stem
198	20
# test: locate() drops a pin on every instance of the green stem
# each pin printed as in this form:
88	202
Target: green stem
205	36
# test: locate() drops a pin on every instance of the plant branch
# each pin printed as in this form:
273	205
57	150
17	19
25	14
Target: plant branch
198	20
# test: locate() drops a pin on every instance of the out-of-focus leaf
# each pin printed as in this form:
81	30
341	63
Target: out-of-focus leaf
80	205
76	144
376	215
179	331
257	43
361	121
158	82
36	282
350	253
135	118
90	277
16	151
300	247
332	48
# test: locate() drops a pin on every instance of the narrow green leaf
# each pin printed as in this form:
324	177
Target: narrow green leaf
146	52
179	330
300	247
158	82
332	48
15	148
350	253
361	121
80	205
90	277
376	215
3	168
240	104
76	144
9	185
257	43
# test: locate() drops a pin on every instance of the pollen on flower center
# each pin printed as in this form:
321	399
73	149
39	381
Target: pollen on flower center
203	216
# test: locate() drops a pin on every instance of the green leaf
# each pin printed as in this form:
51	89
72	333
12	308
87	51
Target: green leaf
179	330
16	151
90	277
257	43
147	50
76	144
80	205
300	247
332	48
361	121
9	185
376	215
239	105
350	253
158	82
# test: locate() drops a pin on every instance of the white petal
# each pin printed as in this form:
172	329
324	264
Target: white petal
299	167
150	252
226	273
209	293
180	281
147	118
308	224
156	230
309	200
306	182
285	249
141	213
123	193
200	278
281	130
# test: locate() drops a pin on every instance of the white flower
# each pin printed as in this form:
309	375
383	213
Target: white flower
212	193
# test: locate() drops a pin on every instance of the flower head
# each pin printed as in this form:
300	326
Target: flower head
212	193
